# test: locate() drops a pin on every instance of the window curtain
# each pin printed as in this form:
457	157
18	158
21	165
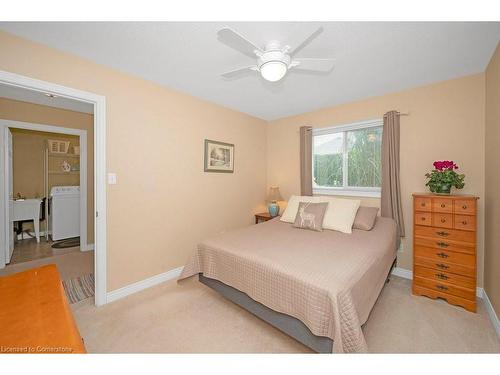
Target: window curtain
391	186
306	160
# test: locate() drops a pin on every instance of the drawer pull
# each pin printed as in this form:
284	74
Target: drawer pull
443	220
442	234
442	287
443	205
442	266
422	218
464	206
464	222
442	244
442	255
442	276
422	204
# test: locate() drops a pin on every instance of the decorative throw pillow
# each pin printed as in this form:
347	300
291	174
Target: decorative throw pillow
292	207
340	213
365	218
310	216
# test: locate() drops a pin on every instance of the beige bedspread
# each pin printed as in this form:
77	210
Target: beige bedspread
329	280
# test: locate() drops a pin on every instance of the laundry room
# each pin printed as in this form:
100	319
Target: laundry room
46	184
48	190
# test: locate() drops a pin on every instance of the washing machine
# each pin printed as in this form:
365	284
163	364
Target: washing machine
64	217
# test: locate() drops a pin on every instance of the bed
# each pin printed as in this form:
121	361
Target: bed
318	287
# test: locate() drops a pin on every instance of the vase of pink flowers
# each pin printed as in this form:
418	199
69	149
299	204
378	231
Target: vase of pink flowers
443	177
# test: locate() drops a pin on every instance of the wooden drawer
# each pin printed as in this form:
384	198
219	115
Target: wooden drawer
465	206
449	245
422	204
442	276
444	252
442	220
448	234
454	300
442	265
444	287
423	218
440	255
465	222
442	205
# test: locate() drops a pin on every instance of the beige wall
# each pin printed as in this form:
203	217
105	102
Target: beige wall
28	161
492	168
446	122
40	114
164	203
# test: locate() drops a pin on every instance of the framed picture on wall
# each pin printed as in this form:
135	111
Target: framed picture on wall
219	157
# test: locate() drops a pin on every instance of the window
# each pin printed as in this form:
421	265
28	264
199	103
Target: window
347	159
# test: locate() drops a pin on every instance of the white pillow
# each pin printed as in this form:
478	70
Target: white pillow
340	213
292	207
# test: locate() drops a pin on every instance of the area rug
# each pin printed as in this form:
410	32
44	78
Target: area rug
79	288
63	244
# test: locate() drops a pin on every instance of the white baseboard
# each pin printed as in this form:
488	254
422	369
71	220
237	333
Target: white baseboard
408	274
88	247
402	272
19	236
143	284
492	314
480	292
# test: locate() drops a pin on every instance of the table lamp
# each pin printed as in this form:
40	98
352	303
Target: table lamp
273	197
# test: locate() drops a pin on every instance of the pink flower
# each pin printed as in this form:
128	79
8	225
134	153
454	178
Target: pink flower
442	165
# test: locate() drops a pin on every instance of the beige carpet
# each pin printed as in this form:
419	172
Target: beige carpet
191	318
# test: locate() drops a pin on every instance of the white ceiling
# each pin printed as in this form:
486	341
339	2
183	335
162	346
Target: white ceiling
371	58
30	96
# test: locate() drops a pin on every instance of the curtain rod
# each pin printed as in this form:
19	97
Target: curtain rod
399	113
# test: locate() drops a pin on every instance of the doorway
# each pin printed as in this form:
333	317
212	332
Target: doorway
99	128
48	190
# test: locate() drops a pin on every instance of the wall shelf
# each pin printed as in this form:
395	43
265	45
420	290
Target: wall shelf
64	155
62	172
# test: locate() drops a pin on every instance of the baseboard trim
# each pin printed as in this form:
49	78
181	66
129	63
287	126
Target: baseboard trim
20	237
408	274
492	313
88	247
402	272
143	284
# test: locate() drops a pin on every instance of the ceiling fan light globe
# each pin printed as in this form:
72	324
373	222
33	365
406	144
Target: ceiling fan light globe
273	71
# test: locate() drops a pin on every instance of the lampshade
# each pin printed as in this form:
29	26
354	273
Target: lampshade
273	71
274	194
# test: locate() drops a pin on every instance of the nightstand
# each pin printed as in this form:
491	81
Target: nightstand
263	216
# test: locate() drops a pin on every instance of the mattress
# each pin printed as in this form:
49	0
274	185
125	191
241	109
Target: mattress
328	280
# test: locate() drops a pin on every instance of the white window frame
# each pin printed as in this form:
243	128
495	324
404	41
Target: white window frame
346	190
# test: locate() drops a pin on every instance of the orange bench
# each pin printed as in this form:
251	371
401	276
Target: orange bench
34	314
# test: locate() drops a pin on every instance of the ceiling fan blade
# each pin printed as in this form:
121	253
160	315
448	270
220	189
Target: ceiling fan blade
240	72
317	65
233	39
308	40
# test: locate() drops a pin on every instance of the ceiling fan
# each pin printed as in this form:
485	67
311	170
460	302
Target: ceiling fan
274	61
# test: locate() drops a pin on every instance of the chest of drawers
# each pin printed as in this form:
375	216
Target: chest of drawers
444	248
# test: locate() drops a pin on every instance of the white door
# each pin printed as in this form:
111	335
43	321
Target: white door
10	183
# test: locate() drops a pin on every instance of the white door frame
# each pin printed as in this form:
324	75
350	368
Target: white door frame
99	103
82	134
